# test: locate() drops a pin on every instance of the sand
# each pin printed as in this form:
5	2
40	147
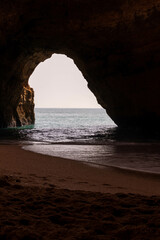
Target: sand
45	197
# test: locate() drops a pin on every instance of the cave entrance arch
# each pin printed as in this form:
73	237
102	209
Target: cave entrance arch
62	98
114	44
20	110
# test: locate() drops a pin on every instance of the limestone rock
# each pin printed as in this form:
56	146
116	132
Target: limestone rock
25	109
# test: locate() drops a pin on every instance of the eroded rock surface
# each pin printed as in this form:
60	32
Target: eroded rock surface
115	43
25	109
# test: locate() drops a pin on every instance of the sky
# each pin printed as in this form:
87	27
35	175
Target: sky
58	83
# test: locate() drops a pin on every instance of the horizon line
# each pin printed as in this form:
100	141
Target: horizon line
72	107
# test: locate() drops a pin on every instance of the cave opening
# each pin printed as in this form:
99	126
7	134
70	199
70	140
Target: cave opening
65	108
58	83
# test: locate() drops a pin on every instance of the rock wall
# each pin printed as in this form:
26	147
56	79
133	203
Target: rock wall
24	114
115	44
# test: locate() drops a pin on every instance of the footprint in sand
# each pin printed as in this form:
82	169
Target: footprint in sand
17	173
33	175
52	185
70	178
62	180
82	182
106	185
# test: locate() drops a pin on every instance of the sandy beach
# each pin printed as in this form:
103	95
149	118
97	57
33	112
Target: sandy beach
45	197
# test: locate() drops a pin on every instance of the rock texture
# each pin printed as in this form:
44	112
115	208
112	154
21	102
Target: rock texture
115	43
24	114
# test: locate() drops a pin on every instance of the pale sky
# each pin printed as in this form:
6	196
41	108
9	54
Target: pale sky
58	83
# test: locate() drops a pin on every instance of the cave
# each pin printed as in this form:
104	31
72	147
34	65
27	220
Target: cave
114	43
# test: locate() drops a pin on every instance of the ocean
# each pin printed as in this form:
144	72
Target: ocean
89	136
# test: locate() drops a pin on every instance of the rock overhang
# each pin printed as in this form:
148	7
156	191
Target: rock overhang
115	44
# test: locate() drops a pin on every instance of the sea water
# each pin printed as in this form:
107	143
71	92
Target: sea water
87	135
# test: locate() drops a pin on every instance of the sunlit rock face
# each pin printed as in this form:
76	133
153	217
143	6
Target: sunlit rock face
23	113
25	108
115	43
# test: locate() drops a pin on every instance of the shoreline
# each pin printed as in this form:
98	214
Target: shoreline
38	169
96	165
24	145
87	153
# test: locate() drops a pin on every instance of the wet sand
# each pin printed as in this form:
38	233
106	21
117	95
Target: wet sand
45	197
